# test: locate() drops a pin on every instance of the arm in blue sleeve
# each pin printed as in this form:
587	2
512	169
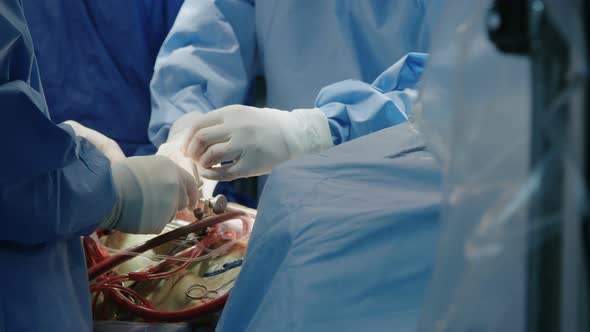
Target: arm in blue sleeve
52	185
355	108
207	61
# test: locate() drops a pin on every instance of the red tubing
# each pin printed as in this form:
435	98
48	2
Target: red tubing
152	315
115	260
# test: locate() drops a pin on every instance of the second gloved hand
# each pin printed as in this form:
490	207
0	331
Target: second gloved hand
171	149
151	190
249	141
104	144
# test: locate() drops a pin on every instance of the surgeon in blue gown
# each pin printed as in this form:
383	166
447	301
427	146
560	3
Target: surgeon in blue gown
96	60
56	185
344	239
216	48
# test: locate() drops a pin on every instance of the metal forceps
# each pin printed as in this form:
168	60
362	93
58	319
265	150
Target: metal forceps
200	292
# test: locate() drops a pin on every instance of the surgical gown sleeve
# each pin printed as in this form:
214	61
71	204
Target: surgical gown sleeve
53	185
207	61
355	108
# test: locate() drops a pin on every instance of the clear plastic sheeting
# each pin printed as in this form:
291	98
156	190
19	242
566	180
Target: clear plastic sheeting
481	114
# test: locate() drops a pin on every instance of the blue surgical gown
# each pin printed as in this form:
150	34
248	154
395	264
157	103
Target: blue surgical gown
217	47
96	60
344	240
54	187
355	109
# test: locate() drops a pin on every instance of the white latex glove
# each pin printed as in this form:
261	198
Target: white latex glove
171	149
104	144
249	141
174	148
151	190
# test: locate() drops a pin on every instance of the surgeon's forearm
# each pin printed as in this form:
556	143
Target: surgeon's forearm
356	108
60	204
194	70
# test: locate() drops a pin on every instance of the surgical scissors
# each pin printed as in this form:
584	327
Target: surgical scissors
203	292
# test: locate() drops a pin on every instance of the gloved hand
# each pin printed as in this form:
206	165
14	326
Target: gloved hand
151	190
249	141
172	150
104	144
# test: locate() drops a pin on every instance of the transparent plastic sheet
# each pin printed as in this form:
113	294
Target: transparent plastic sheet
475	112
